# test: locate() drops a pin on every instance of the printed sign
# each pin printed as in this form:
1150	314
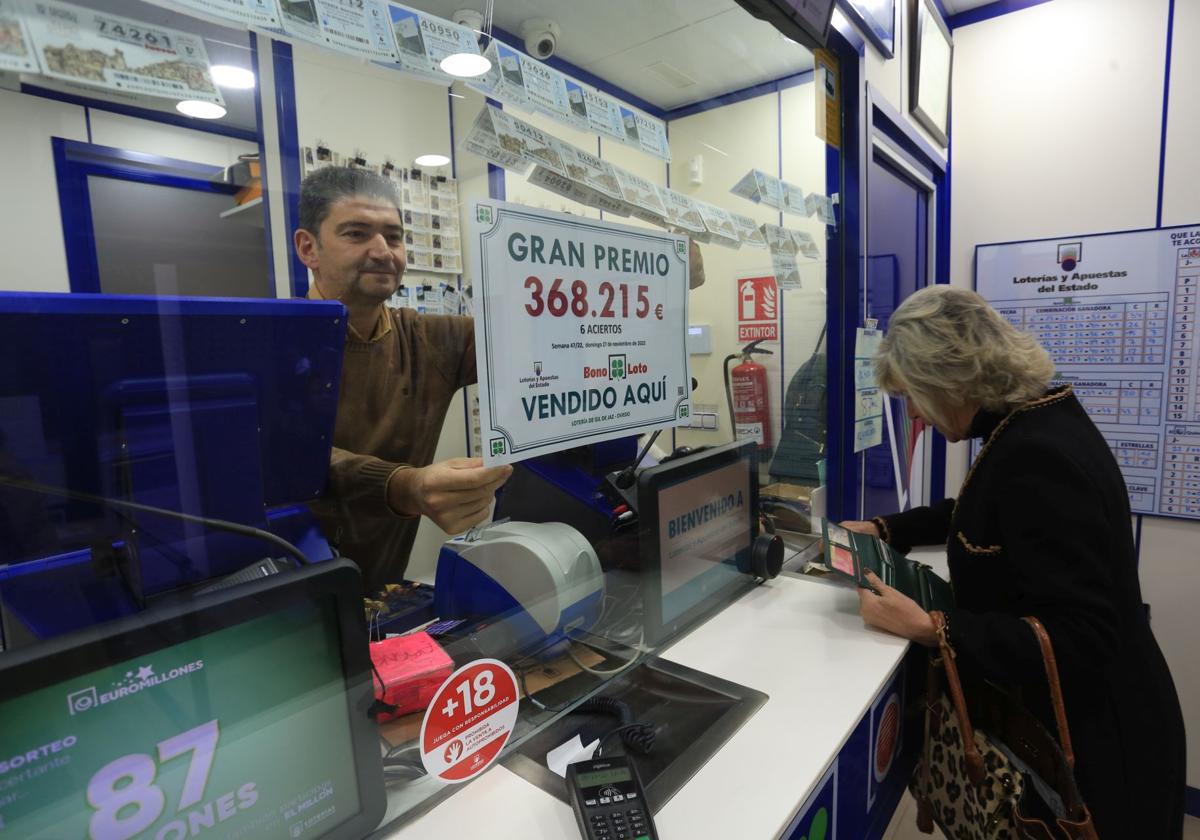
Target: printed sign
594	173
550	180
642	195
758	309
868	399
94	48
482	141
806	244
422	41
720	225
264	13
762	188
577	111
794	200
522	81
545	87
748	231
16	47
361	28
580	330
604	115
770	189
646	133
1118	314
469	721
828	99
787	270
821	206
519	137
505	81
683	213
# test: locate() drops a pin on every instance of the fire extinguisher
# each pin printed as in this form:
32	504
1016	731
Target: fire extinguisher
746	392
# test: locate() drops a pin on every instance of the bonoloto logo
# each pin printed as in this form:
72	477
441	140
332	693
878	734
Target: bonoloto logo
134	682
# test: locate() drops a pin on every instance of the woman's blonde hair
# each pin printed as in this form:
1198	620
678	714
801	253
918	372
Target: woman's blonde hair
946	347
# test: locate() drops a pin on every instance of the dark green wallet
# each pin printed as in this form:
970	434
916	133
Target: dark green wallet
849	554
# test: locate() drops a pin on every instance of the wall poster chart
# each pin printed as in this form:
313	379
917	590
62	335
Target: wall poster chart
1117	312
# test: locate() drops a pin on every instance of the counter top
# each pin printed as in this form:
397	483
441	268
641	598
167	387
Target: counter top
798	639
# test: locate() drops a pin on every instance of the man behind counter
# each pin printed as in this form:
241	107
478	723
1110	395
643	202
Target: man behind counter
399	373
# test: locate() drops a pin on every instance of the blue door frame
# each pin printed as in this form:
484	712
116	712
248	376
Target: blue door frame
884	120
843	176
864	116
74	162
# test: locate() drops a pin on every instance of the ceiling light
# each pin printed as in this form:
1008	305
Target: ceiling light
465	65
432	160
229	76
200	110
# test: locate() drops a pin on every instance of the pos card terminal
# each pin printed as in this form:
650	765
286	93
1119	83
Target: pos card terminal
608	800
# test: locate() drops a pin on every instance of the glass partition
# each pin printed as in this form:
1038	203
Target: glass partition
245	518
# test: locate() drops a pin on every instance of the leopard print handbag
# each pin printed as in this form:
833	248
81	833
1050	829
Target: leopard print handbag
1008	778
944	792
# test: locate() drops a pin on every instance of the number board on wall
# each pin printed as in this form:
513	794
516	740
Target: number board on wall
1117	311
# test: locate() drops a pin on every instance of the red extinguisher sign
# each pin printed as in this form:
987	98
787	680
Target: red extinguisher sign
758	309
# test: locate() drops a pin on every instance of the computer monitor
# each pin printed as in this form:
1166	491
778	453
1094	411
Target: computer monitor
213	407
242	713
804	21
698	518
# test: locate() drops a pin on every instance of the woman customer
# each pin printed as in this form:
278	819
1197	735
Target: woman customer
1041	527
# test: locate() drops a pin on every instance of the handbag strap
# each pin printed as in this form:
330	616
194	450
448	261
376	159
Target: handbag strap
975	768
1056	695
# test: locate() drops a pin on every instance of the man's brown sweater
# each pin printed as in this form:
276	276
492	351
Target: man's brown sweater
396	388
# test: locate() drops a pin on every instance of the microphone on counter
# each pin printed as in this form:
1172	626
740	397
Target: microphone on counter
626	477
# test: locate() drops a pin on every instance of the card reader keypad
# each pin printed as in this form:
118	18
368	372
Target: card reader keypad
626	824
614	812
608	801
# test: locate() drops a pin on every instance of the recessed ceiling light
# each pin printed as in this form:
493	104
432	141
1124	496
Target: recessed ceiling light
465	65
200	110
432	160
229	76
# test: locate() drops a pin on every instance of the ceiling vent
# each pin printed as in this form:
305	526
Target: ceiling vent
672	75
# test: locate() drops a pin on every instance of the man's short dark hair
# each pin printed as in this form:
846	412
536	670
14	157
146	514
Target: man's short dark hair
325	187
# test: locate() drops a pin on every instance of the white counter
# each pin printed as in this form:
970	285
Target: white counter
799	640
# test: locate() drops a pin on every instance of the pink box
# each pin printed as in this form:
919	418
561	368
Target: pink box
412	667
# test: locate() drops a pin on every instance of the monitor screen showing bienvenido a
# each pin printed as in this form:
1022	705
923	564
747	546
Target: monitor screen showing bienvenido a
698	520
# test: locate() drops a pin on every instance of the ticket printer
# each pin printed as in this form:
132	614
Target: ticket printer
526	585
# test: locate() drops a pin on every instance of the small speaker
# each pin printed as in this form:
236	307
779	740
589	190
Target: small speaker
767	556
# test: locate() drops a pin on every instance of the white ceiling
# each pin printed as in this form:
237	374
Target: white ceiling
642	46
714	43
953	7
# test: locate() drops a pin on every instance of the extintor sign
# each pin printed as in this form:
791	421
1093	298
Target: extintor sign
758	309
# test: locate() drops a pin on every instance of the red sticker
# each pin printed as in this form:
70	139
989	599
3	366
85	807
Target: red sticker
469	721
887	738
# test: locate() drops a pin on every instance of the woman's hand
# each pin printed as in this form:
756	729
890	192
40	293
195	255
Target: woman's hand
861	527
895	612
